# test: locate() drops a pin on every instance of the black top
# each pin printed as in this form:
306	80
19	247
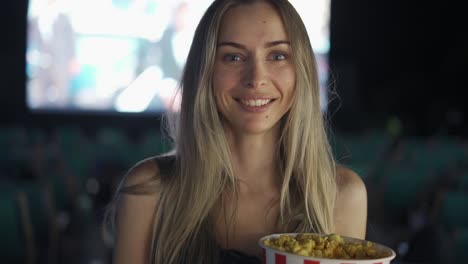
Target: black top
227	256
236	257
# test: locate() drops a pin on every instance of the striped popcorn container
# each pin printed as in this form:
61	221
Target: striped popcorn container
274	256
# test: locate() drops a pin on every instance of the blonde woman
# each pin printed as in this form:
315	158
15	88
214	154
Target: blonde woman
251	154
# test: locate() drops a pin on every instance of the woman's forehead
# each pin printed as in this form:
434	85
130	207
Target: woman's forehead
252	22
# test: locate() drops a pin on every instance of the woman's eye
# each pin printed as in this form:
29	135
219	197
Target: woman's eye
232	57
279	56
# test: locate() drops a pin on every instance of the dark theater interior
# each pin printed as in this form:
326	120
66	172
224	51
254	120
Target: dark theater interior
395	78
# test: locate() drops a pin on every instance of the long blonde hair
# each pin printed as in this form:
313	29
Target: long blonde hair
203	169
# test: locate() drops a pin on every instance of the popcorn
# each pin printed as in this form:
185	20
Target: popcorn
331	246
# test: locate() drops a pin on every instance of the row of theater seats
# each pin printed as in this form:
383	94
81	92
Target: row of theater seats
418	191
55	182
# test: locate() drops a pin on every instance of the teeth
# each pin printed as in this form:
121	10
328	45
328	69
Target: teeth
258	102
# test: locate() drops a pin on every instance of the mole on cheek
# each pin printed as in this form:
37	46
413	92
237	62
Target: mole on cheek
266	117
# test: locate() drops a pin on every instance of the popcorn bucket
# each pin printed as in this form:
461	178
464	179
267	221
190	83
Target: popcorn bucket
275	256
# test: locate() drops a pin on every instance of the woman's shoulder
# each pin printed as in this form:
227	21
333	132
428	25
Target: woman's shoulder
351	188
148	170
348	180
136	208
351	203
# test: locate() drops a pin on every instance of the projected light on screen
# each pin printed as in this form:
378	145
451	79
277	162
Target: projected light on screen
125	55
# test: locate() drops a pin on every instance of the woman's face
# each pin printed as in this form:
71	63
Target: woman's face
254	75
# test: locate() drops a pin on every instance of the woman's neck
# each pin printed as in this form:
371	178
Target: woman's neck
254	158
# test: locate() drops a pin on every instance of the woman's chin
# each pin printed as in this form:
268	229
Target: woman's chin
255	128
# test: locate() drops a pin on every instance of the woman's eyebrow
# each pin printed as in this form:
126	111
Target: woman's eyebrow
277	42
233	44
243	47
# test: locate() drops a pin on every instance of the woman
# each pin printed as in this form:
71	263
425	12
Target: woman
251	153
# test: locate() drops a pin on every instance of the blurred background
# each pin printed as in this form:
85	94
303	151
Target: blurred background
85	83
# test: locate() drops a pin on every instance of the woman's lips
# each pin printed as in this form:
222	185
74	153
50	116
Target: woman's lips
255	105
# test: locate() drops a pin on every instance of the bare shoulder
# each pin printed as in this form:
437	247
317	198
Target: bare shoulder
142	172
135	213
349	183
351	204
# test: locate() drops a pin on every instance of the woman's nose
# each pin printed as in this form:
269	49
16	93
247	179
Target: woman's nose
255	75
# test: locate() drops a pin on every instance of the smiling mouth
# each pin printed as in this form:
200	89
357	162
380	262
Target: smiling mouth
255	103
